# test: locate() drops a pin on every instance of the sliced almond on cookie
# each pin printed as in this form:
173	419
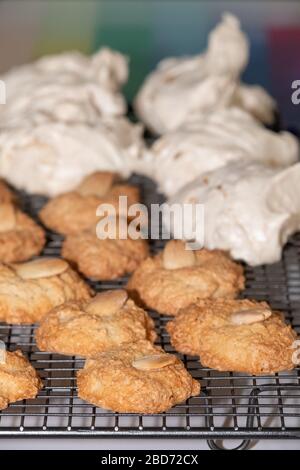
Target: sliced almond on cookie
7	217
156	361
42	267
249	316
97	184
107	303
176	256
66	315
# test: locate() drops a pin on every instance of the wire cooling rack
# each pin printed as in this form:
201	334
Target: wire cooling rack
229	406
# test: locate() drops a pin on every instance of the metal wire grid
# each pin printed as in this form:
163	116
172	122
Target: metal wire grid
230	405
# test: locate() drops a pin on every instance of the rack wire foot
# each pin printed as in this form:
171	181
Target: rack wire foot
244	445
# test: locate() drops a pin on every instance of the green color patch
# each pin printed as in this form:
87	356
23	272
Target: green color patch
134	41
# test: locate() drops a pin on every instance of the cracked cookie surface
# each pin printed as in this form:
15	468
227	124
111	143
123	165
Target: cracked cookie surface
136	378
105	259
20	237
29	290
105	322
18	379
178	277
75	211
234	335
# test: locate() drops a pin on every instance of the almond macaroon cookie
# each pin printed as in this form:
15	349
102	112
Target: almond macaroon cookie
29	290
18	379
136	378
178	277
235	335
76	210
20	237
85	328
104	259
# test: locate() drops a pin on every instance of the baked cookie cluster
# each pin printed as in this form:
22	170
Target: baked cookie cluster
124	371
74	214
74	321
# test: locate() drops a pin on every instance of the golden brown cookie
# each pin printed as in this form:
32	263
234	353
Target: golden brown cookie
76	210
136	378
29	290
234	335
178	277
6	194
104	259
86	328
18	379
20	237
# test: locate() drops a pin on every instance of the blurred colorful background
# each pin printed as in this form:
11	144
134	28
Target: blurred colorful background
148	30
